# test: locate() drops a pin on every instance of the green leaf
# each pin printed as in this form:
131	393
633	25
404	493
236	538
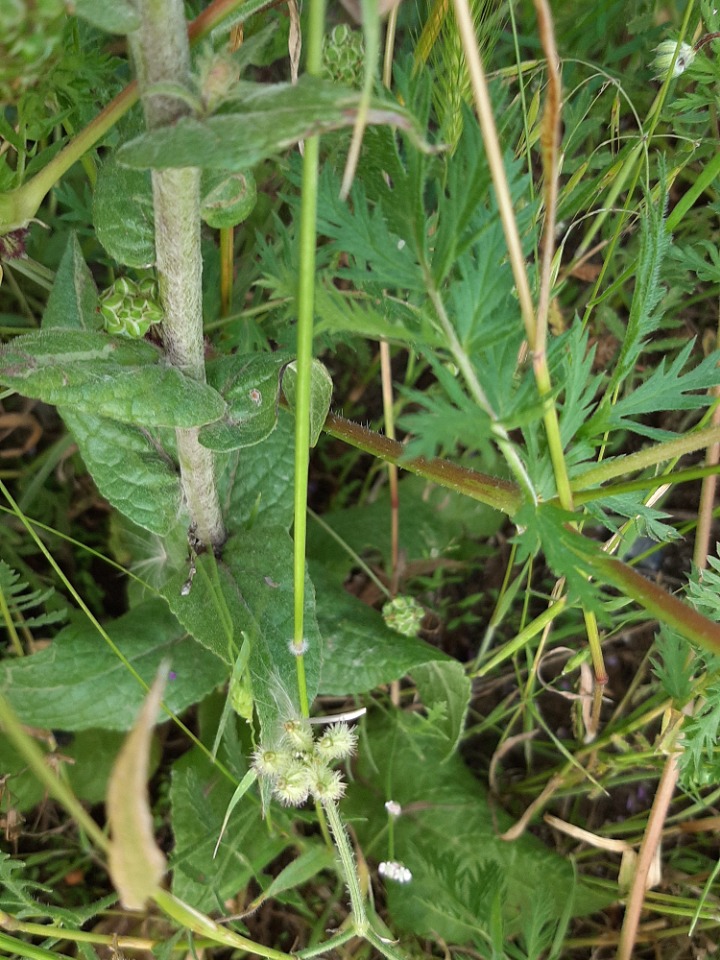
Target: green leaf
321	388
445	690
111	377
135	862
267	119
73	300
255	581
360	651
78	682
199	796
250	385
129	469
91	754
123	214
116	17
257	484
448	837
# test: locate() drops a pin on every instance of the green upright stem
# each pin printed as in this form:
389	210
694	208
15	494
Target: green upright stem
306	306
161	53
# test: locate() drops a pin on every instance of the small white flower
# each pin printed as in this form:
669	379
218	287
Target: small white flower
664	53
393	808
393	870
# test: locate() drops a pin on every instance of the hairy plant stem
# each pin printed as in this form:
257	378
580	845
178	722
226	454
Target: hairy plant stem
19	206
161	53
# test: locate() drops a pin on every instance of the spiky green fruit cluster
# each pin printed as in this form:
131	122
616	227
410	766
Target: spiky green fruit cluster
30	37
343	56
299	766
130	307
403	615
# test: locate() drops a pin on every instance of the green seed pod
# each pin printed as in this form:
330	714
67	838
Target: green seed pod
30	37
130	307
228	198
403	615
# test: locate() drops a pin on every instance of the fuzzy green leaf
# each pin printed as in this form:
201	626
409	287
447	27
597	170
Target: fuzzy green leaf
445	689
321	388
78	682
253	595
129	469
199	796
73	300
251	387
360	651
116	17
107	376
123	214
266	119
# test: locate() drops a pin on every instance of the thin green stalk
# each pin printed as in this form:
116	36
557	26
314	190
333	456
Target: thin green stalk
305	308
659	453
161	53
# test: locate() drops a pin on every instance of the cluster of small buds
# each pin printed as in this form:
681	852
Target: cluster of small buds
664	53
343	55
130	307
403	615
299	767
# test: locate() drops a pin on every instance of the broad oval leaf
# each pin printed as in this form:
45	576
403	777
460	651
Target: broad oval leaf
267	119
250	385
128	469
112	377
123	214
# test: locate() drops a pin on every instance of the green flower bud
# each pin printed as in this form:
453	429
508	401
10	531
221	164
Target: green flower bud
664	53
343	56
218	74
297	736
337	743
130	307
403	615
292	786
228	198
326	785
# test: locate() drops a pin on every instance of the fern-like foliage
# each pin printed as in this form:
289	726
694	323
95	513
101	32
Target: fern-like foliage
19	600
687	673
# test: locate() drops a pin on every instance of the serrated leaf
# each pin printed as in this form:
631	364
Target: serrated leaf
116	17
78	682
321	388
448	837
112	377
266	119
446	684
123	214
135	862
72	303
250	386
128	468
